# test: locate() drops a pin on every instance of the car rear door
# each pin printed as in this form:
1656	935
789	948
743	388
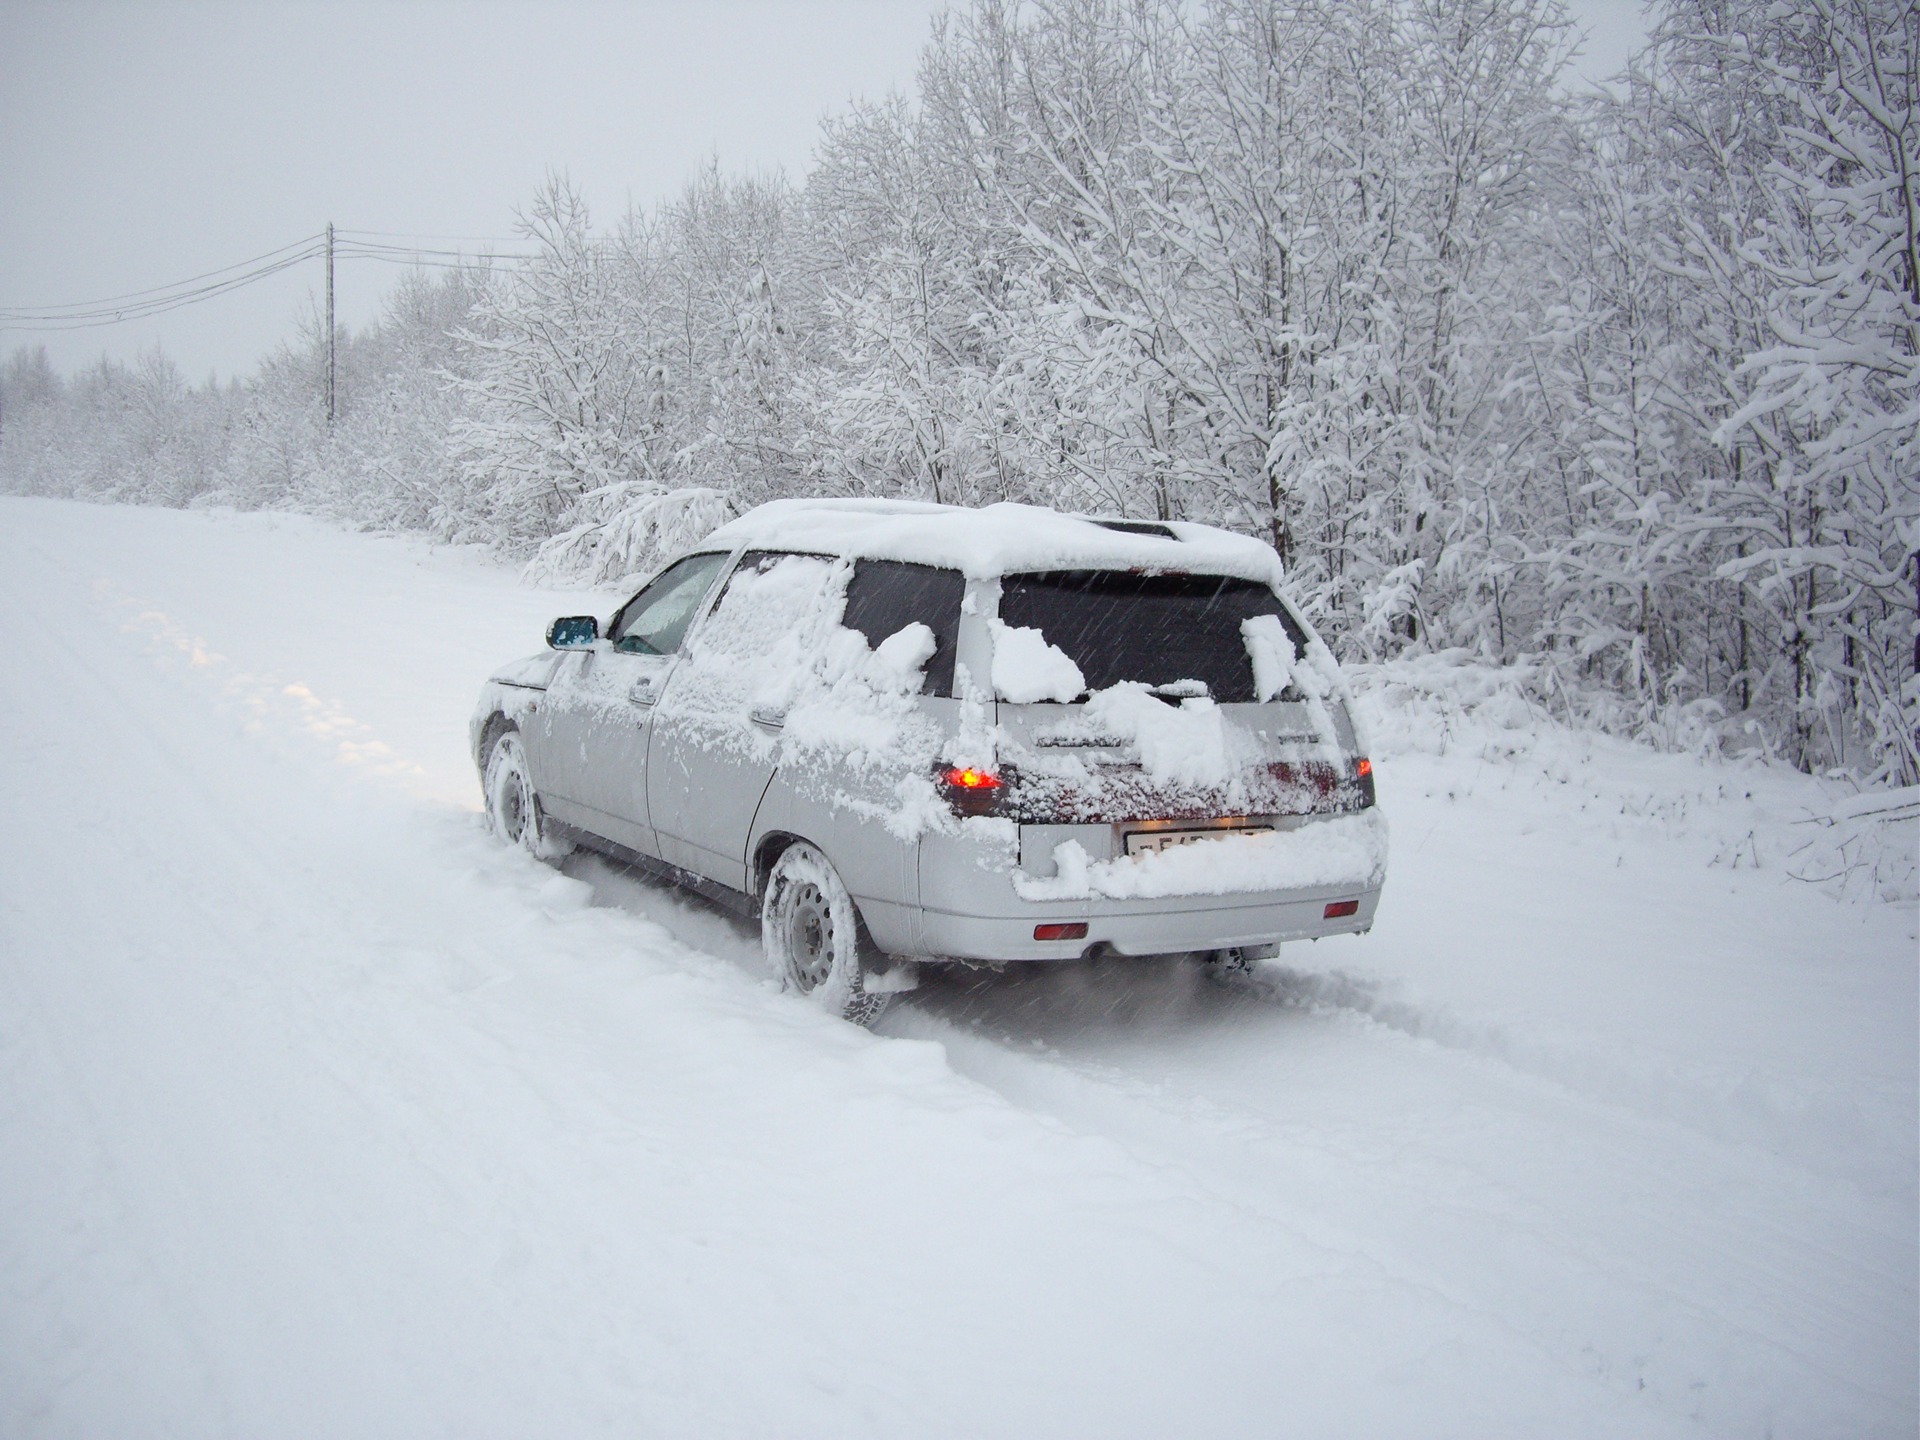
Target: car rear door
714	742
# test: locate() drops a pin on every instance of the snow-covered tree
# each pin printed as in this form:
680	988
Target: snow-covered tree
1626	385
555	401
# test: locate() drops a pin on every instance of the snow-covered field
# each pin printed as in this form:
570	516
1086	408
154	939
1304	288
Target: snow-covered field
323	1114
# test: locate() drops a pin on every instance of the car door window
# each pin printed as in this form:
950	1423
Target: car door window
655	621
770	596
886	596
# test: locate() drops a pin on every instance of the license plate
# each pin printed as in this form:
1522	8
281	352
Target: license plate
1142	841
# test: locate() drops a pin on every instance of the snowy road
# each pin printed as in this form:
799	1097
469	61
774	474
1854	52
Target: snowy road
321	1114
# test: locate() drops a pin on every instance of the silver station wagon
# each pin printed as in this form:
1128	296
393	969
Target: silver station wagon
908	733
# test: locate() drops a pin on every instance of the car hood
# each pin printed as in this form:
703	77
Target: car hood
534	671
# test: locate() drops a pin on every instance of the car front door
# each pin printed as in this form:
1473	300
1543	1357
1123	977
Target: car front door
588	742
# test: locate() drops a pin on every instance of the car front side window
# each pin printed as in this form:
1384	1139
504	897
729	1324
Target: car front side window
655	621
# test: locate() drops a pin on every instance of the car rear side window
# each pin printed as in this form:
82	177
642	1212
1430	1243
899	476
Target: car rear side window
886	596
1158	630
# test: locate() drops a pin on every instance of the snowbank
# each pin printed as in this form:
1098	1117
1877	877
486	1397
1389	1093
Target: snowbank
1822	831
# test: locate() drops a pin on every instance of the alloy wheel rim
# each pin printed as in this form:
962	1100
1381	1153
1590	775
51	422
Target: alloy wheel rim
511	801
516	809
810	935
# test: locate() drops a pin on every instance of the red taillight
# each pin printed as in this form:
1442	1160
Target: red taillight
1362	768
971	779
972	792
1074	931
1340	909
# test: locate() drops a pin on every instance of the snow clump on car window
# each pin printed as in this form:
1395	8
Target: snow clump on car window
856	704
900	660
1027	669
1184	744
1271	650
753	649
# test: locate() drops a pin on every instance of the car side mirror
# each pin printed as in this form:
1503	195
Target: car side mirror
573	632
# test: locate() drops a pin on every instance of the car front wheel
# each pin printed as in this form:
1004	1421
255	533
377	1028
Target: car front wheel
814	937
513	810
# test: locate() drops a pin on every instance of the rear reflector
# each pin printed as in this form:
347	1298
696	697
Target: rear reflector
1075	931
1341	908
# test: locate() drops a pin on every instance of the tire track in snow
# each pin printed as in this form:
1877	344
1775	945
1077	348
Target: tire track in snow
266	707
1830	1133
1609	1231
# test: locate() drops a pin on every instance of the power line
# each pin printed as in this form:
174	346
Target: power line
329	244
133	295
405	235
367	248
375	250
159	299
143	310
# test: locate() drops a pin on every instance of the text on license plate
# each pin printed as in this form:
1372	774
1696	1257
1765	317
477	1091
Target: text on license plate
1141	841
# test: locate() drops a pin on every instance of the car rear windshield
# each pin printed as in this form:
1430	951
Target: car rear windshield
1159	630
885	596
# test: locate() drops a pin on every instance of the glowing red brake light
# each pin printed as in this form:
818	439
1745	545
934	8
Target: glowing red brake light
1362	768
970	779
973	792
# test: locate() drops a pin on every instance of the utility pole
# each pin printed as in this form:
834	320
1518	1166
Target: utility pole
329	323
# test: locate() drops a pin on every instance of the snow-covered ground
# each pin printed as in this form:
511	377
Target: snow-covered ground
323	1114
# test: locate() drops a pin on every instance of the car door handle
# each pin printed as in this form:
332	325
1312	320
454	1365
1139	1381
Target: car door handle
768	716
641	692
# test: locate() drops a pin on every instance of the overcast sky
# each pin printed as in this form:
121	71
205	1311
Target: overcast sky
144	143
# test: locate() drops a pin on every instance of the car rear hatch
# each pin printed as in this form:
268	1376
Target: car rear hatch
1181	722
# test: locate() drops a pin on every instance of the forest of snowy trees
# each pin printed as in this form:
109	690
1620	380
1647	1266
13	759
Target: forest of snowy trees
1624	387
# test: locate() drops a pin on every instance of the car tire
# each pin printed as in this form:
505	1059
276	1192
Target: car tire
513	808
815	939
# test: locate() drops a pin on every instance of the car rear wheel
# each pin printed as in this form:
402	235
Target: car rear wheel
814	937
513	809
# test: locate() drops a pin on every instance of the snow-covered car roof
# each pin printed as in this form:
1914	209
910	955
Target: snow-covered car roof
995	539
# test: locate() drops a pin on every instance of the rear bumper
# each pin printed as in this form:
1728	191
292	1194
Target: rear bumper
970	907
1128	928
